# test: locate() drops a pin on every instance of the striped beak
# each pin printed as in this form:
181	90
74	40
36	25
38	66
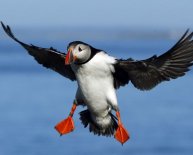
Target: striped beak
70	57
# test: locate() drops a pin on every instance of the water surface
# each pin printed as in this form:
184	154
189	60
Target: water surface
33	100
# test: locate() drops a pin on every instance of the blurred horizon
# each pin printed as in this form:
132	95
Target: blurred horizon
85	20
102	34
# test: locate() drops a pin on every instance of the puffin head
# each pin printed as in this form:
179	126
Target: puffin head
78	53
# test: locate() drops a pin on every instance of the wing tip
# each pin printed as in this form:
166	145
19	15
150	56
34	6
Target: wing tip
4	27
8	31
187	36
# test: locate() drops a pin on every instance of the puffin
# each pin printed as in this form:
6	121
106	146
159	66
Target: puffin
99	75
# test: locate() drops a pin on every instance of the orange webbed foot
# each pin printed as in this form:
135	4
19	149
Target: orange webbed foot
121	133
65	126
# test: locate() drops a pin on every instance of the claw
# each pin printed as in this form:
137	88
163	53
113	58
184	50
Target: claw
121	133
65	126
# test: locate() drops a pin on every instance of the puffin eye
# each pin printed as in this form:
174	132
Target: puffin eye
79	49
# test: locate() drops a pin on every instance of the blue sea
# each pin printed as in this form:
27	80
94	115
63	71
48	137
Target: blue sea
34	99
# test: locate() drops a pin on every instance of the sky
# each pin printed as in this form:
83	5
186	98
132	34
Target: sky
98	13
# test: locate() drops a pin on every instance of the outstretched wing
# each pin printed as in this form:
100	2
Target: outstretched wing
146	74
48	57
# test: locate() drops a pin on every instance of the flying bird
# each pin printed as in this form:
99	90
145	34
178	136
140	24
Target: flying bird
99	75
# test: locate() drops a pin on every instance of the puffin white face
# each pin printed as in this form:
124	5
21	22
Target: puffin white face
78	53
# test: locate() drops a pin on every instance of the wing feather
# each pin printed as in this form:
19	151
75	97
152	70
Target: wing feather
48	57
146	74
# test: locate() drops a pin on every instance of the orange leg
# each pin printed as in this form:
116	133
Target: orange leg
66	125
121	133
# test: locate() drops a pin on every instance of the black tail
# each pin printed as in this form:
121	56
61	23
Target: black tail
108	131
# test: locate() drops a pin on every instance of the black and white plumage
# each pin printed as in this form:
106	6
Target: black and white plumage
98	75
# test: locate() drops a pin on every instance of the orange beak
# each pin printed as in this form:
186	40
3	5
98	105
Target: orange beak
68	58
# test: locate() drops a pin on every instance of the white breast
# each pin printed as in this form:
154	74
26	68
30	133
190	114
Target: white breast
95	80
